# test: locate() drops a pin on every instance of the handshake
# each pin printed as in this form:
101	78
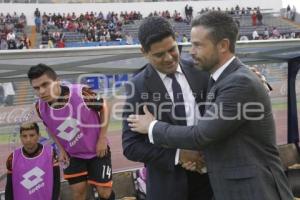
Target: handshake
192	160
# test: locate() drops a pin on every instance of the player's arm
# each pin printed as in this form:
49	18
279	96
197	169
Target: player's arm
63	156
100	105
9	186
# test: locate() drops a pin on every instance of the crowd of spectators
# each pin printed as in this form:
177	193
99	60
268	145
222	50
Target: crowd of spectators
95	26
176	16
255	13
232	11
12	34
272	34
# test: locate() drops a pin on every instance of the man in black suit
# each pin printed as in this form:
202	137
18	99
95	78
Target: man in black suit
237	132
163	82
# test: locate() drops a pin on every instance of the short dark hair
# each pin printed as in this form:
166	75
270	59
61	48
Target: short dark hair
30	126
39	70
221	26
154	29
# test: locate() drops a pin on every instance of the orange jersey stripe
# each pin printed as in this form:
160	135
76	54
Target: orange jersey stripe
67	176
107	184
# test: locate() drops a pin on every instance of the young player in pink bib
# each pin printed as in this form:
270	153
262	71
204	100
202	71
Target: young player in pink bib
77	120
33	171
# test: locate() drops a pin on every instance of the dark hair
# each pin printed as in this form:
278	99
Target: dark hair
154	29
30	126
220	25
39	70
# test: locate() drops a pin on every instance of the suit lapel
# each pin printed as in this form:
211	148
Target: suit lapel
234	65
157	92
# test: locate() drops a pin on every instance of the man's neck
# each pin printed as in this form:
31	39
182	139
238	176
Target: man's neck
223	60
31	152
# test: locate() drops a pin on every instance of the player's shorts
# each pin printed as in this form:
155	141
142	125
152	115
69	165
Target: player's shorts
96	171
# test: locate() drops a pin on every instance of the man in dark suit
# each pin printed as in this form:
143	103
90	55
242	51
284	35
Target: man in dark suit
155	85
237	132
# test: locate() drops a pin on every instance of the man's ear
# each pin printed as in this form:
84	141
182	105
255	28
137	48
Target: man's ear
144	52
224	45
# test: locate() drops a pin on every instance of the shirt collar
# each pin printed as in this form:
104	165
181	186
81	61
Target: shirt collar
163	76
219	71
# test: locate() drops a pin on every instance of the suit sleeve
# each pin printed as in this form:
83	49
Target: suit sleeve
221	119
137	147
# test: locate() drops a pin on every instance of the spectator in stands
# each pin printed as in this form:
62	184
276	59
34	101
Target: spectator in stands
107	35
84	151
15	18
293	13
293	35
243	11
60	44
45	38
255	35
56	35
51	24
27	42
259	18
129	39
177	17
37	22
187	13
288	11
253	18
11	40
8	18
20	44
37	13
266	34
191	10
237	10
3	44
184	38
100	16
73	17
11	36
50	43
22	19
2	18
275	33
32	170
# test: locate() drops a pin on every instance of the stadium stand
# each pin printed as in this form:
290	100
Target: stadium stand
92	29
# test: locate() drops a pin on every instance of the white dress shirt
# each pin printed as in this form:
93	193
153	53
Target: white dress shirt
191	109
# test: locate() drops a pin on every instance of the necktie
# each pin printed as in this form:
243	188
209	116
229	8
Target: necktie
179	107
211	82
